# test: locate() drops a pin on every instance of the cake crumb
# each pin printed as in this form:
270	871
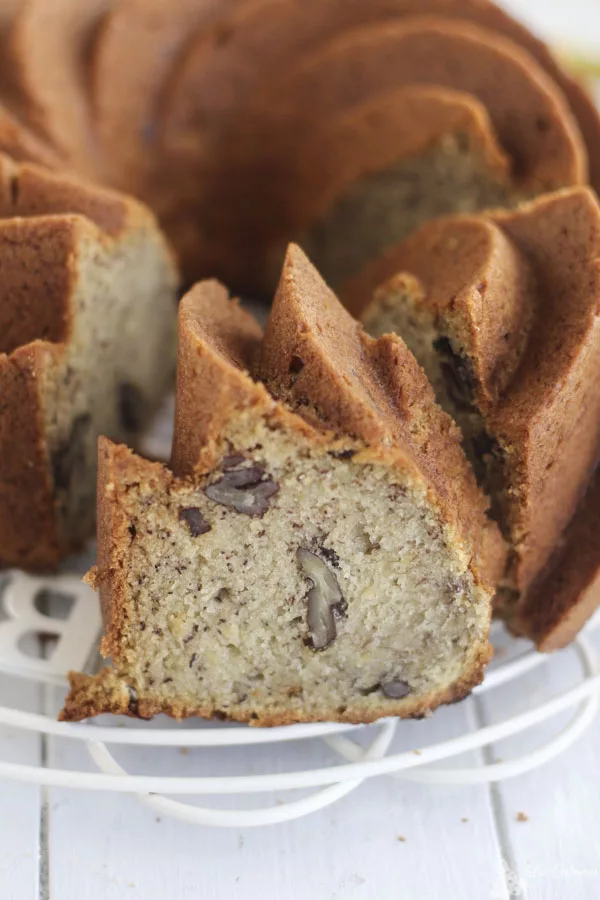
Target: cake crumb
401	838
417	752
184	751
522	817
464	819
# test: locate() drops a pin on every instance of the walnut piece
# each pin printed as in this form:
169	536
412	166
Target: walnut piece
194	520
247	491
396	689
325	599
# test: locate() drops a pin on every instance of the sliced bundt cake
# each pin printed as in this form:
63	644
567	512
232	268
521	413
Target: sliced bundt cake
502	311
319	551
87	309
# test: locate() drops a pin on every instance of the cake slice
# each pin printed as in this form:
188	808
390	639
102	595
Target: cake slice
501	311
87	314
319	551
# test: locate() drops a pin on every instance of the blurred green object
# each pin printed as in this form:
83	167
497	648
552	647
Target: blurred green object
581	62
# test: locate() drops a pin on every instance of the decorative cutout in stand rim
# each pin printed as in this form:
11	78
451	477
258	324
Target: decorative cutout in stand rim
73	627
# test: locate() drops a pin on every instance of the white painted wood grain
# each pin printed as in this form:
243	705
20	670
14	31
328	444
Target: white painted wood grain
555	853
19	804
109	847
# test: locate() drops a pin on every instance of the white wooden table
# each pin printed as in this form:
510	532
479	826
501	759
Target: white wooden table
535	836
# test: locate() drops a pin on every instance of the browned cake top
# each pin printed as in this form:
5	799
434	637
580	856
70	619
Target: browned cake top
266	153
468	273
545	253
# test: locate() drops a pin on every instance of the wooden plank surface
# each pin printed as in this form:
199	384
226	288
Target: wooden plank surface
386	835
20	805
549	828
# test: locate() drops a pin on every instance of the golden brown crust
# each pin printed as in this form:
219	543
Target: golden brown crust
115	464
567	592
227	57
28	190
128	98
217	343
517	94
22	145
29	535
315	355
550	418
268	38
485	297
36	276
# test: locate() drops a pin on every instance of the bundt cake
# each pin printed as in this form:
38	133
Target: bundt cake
203	108
502	312
319	550
87	311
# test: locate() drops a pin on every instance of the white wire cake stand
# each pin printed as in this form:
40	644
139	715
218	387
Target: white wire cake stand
33	610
